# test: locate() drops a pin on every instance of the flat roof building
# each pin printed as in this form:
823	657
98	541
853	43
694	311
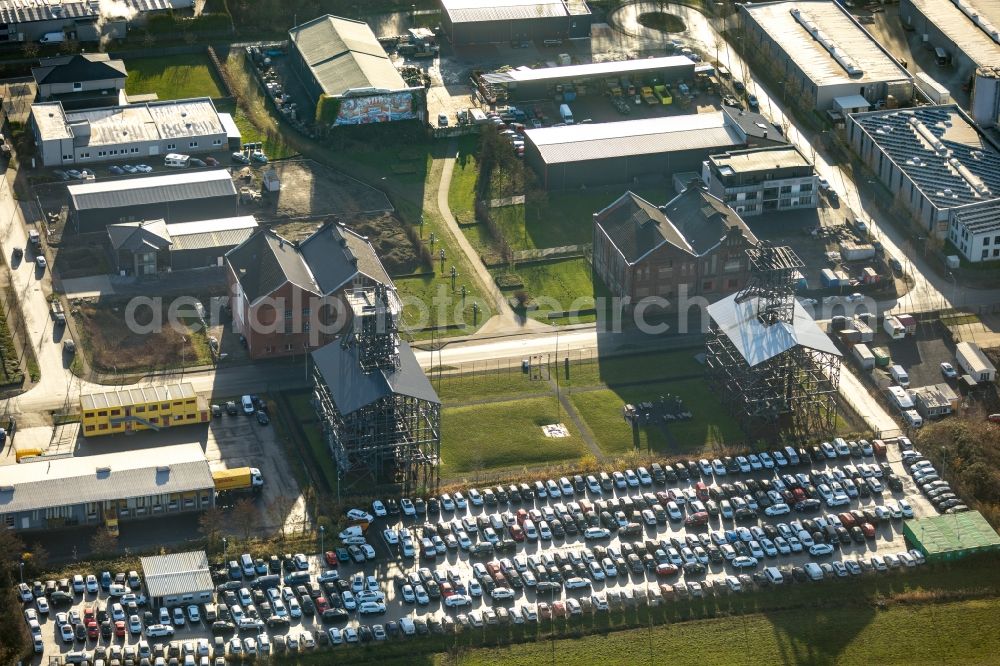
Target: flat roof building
51	492
178	579
141	408
132	131
951	536
943	169
759	180
821	53
477	22
624	152
184	196
87	21
341	59
531	84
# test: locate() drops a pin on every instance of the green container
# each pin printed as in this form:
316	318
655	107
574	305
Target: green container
882	357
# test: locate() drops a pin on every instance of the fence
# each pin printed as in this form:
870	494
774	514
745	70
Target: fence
581	249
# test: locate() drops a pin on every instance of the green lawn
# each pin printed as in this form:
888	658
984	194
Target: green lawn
303	412
488	384
173	77
711	424
602	411
612	370
503	434
462	191
565	285
275	146
923	634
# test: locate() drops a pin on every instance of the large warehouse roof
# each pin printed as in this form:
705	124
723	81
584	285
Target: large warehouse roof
952	534
824	41
938	147
343	55
176	574
973	36
758	343
26	11
611	68
474	11
575	143
117	125
49	482
152	189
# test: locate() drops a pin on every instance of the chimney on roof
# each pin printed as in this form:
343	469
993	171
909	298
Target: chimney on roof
765	134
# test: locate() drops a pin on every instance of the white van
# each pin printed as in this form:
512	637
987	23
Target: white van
246	563
899	375
792	455
774	576
177	161
52	38
913	418
159	630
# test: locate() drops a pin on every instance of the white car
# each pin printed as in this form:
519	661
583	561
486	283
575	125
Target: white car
820	549
378	508
779	509
194	614
502	594
336	636
631	478
460	501
117	612
406	505
91	584
593	533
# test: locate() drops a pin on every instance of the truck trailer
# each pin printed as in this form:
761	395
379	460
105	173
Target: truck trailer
238	479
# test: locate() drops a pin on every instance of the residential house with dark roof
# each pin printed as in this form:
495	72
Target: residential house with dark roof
80	81
140	248
148	247
290	297
341	59
695	245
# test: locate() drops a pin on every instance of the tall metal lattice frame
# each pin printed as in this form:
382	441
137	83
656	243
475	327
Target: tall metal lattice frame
793	393
395	440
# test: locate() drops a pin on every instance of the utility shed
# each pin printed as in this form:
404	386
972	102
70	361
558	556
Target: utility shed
951	536
178	579
972	359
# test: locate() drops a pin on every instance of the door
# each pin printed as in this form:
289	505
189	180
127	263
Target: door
154	150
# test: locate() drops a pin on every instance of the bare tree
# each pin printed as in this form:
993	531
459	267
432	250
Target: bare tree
30	49
245	515
278	510
37	558
104	542
210	524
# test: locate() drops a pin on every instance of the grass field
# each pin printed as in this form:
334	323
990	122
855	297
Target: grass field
565	285
503	434
462	191
614	370
303	412
10	366
602	411
173	77
275	146
488	385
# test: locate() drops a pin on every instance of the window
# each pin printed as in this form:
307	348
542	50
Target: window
996	240
986	254
193	144
116	412
67	158
288	347
77	87
217	142
268	349
89	428
807	187
786	189
171	146
103	426
996	253
103	412
288	314
707	285
986	241
165	405
306	312
305	327
140	409
153	408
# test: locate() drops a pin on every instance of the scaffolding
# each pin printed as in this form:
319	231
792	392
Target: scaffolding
392	436
791	391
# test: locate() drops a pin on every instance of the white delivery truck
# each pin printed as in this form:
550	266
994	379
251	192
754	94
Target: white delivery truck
566	113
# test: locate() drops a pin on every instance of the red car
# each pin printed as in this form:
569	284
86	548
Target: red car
331	558
868	529
666	569
88	614
321	605
93	631
120	629
516	533
446	590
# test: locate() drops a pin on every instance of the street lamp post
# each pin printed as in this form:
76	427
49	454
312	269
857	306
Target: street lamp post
322	533
20	565
183	351
225	548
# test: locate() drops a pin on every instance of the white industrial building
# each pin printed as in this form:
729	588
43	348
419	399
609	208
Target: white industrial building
133	131
942	168
82	20
822	54
968	35
178	579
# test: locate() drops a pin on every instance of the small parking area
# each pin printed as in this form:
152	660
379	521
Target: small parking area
452	578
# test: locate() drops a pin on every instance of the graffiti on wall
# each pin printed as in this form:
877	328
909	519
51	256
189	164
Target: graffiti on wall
376	109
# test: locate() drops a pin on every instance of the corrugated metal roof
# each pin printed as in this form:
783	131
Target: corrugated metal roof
980	218
152	189
52	482
140	395
351	388
611	68
974	356
758	343
960	30
577	143
26	11
776	20
468	11
344	54
176	574
222	232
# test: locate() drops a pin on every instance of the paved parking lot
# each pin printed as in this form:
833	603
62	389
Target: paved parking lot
457	565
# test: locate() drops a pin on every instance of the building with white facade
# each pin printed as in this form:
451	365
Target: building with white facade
942	168
133	131
822	53
761	180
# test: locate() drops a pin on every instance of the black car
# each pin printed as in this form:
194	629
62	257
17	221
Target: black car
231	408
331	615
221	627
277	622
262	417
106	629
80	632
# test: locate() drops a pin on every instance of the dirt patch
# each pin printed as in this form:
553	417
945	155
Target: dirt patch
121	341
311	190
86	255
662	21
388	235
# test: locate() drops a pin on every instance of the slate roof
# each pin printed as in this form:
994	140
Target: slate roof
177	573
335	254
78	68
344	54
694	221
152	189
139	236
265	261
351	388
50	482
758	343
752	124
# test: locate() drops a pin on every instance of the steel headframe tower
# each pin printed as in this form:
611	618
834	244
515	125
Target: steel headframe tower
395	439
791	393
